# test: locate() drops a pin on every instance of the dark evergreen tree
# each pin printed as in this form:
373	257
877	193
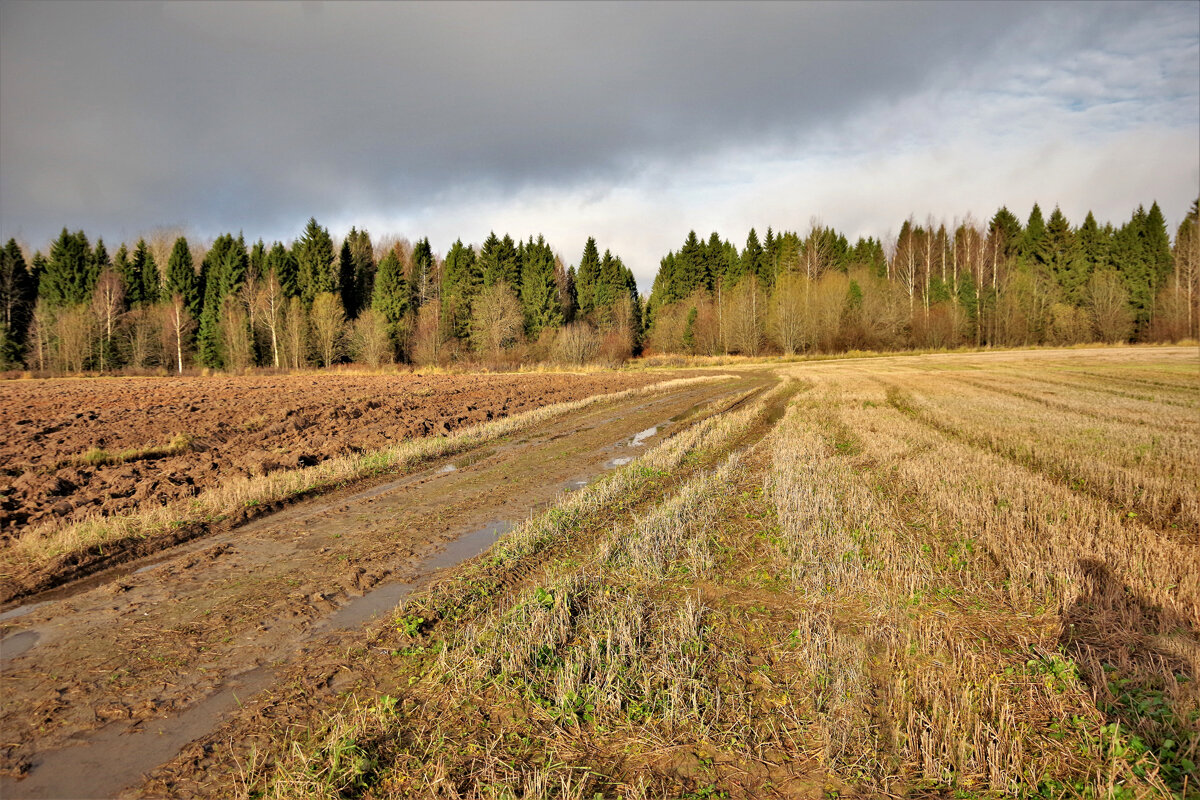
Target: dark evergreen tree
422	272
181	277
17	297
1008	228
391	293
461	281
225	268
70	274
124	268
585	277
145	282
752	255
500	261
315	257
1064	258
540	302
100	258
258	260
282	261
1033	241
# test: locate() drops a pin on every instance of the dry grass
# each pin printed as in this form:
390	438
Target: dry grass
945	577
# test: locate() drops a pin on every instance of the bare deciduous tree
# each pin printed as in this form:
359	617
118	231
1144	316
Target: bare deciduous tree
108	302
496	320
177	326
370	343
1109	304
328	320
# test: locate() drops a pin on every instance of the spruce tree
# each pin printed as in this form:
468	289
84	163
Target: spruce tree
1033	241
282	261
315	257
69	274
540	303
346	278
391	293
124	268
751	255
181	277
1064	257
225	268
461	281
17	297
422	272
1005	225
585	277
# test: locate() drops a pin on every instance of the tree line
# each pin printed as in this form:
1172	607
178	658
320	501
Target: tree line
175	304
229	305
999	283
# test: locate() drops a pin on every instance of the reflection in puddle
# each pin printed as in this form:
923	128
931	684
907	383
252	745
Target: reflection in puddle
640	437
18	643
447	468
385	597
618	462
111	758
574	486
20	611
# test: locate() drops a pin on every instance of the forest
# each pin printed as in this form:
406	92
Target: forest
170	304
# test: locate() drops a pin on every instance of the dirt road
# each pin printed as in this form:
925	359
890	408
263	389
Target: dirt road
103	685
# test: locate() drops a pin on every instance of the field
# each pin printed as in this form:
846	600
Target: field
939	576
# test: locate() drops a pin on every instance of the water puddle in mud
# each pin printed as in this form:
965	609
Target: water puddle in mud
18	643
617	462
21	611
640	437
575	485
114	757
385	597
447	468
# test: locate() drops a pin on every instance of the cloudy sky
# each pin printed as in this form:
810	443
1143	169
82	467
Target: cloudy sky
630	122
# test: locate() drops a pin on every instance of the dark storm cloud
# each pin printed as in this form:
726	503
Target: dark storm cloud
119	117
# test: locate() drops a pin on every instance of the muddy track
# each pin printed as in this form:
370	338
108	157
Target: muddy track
107	683
361	661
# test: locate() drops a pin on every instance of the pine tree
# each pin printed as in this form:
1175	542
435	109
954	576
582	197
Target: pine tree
258	260
349	290
315	257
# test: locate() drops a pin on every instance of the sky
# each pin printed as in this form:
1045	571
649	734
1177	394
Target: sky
633	123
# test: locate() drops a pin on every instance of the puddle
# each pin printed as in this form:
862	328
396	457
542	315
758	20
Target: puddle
618	462
18	643
384	598
447	468
21	611
116	756
576	485
640	437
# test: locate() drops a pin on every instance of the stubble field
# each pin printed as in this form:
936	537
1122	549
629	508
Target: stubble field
941	576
